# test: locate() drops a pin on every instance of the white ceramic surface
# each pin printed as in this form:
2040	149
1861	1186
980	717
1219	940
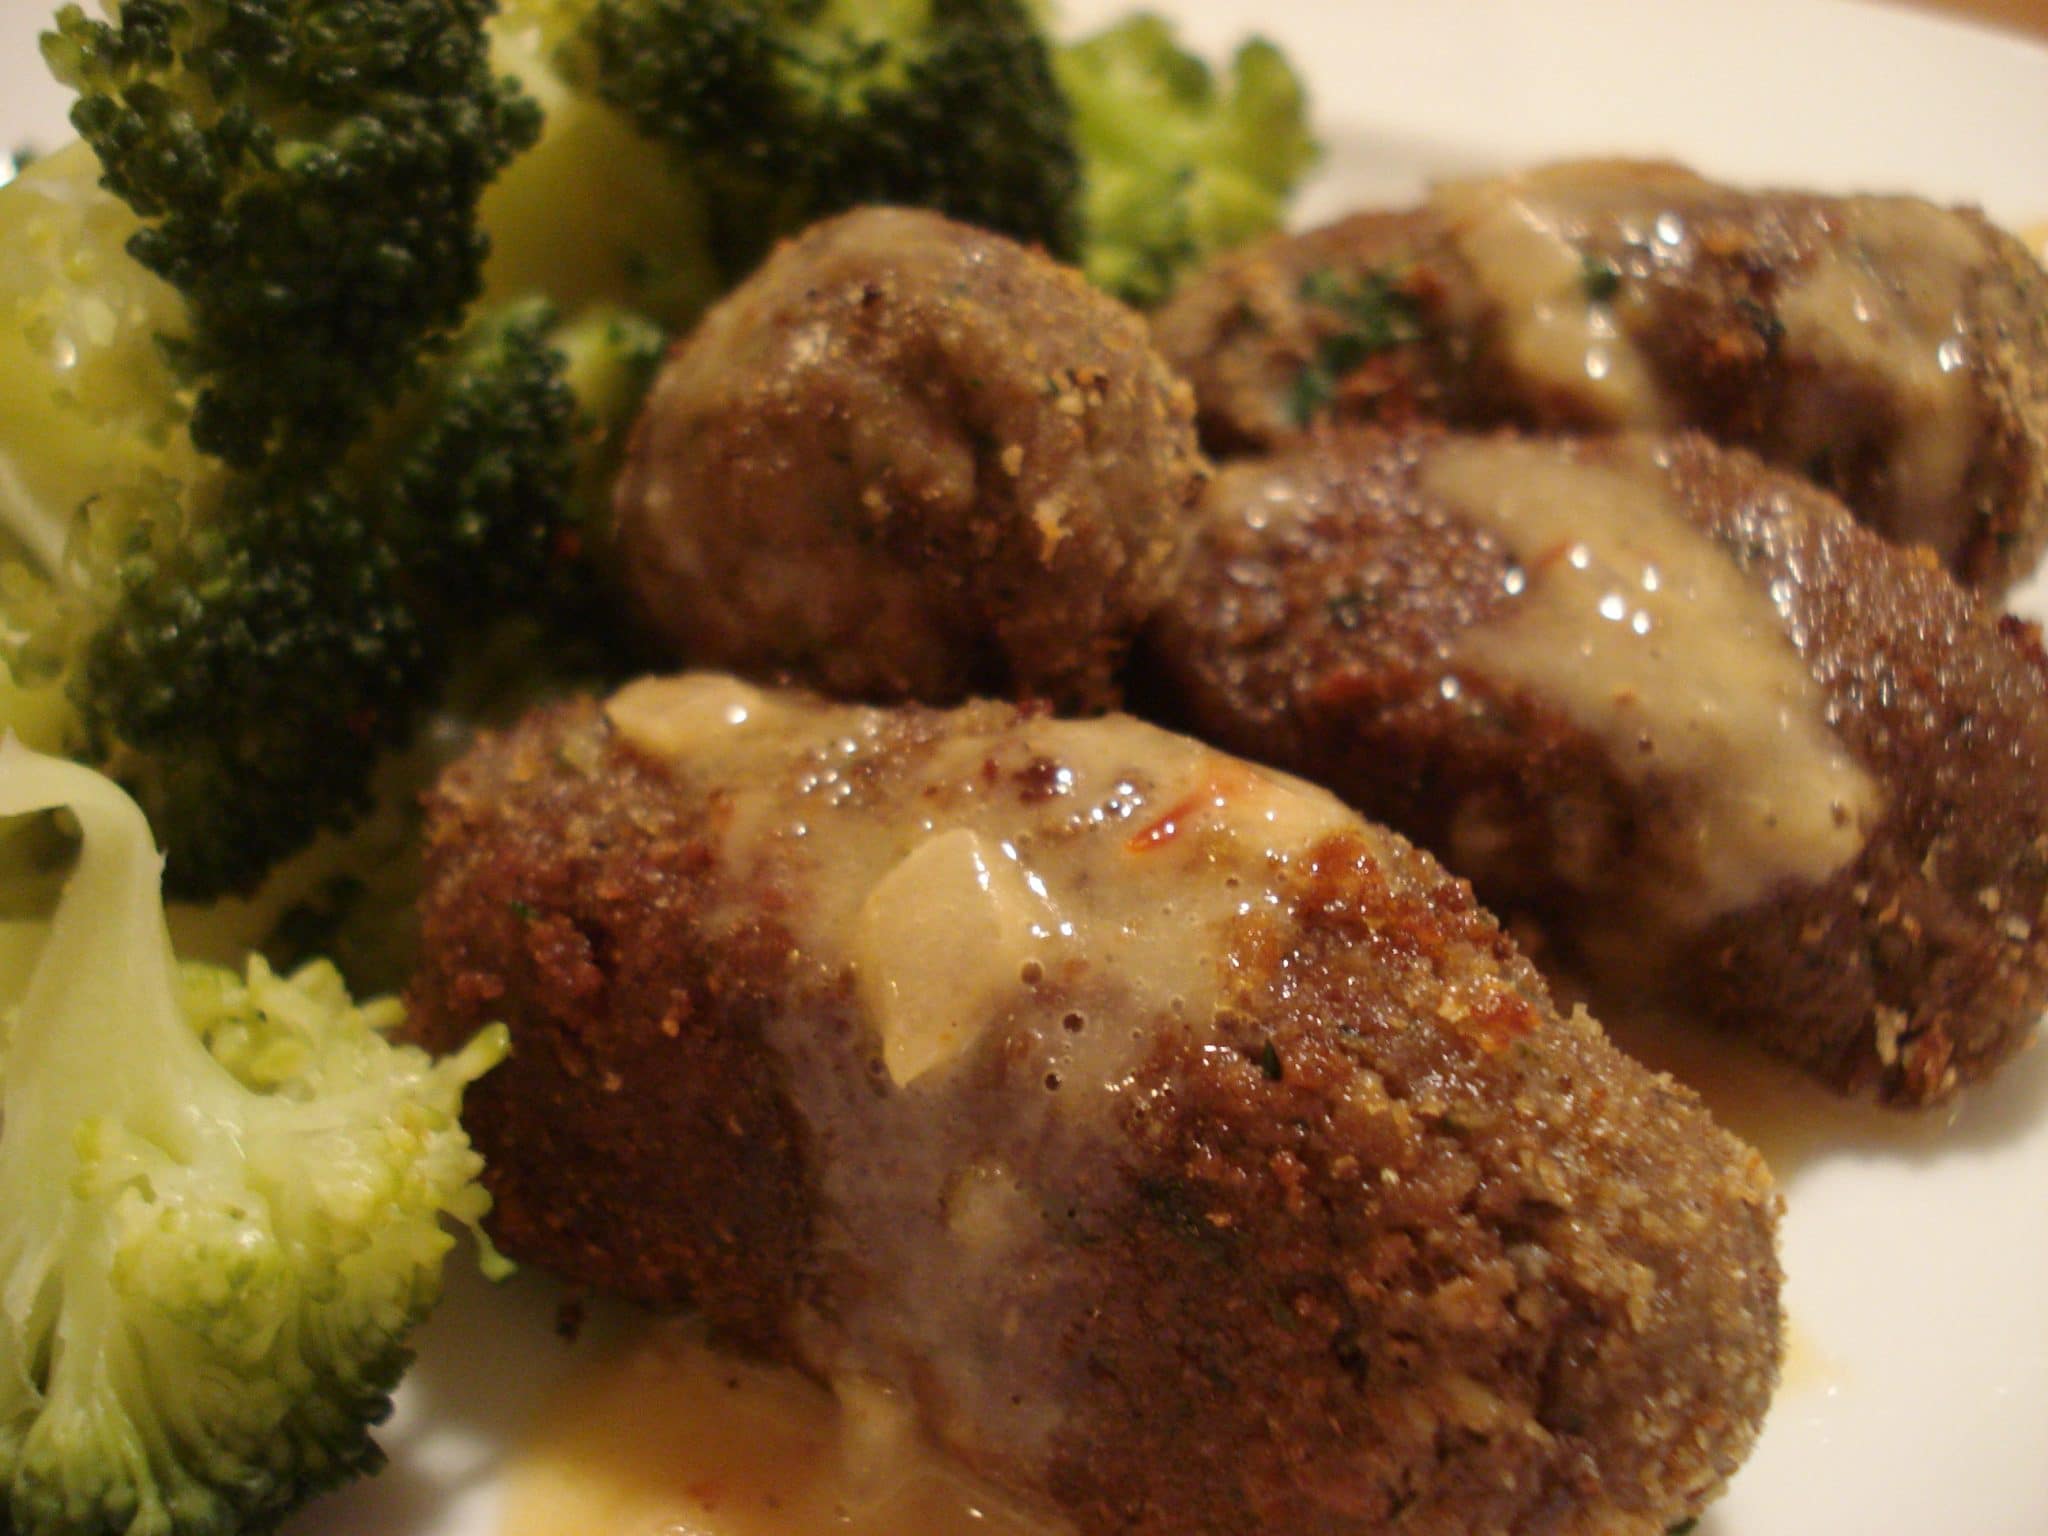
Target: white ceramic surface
1916	1401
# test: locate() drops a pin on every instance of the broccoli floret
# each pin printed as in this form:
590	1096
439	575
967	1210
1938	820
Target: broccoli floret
476	499
307	173
251	671
789	110
224	1197
86	395
239	647
595	213
1177	164
609	357
244	674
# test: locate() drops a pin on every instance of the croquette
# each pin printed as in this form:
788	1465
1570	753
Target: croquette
1893	351
1712	738
1198	1158
908	459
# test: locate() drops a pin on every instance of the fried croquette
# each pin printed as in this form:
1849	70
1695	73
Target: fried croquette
1721	743
1199	1159
909	460
1893	351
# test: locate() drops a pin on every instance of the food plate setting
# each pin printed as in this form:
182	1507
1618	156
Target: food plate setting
1914	1392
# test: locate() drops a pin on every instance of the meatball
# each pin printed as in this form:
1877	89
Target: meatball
1716	739
1199	1159
1893	351
910	459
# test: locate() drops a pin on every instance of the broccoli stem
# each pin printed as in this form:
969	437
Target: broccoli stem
36	532
108	949
223	1201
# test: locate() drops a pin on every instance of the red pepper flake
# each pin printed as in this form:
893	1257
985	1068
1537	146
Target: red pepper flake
1348	685
1223	781
1166	827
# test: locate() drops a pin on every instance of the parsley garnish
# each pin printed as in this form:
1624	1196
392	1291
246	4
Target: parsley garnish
1378	316
1600	278
1763	321
1347	610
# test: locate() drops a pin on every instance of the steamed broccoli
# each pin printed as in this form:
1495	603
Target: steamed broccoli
1123	151
239	645
266	462
1178	166
788	110
307	172
223	1196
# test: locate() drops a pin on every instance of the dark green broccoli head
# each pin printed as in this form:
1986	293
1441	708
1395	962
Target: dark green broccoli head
240	647
795	109
976	127
251	660
478	499
246	676
307	172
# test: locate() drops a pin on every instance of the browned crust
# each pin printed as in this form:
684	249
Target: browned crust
2012	324
1436	1264
1401	1244
1320	646
910	460
1243	334
609	1162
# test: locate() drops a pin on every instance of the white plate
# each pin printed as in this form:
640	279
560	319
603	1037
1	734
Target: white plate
1917	1397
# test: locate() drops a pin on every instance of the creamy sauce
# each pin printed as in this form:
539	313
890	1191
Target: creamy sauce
947	886
1522	238
668	1437
1881	309
945	940
950	896
1640	629
1808	1369
1021	909
1887	301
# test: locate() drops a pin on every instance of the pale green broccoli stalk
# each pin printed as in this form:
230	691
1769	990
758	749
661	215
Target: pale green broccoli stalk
224	1197
594	213
1177	164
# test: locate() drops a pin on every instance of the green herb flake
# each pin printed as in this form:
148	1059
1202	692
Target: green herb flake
1312	389
1347	610
1376	314
1763	321
1269	1063
1379	313
1323	287
1600	278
